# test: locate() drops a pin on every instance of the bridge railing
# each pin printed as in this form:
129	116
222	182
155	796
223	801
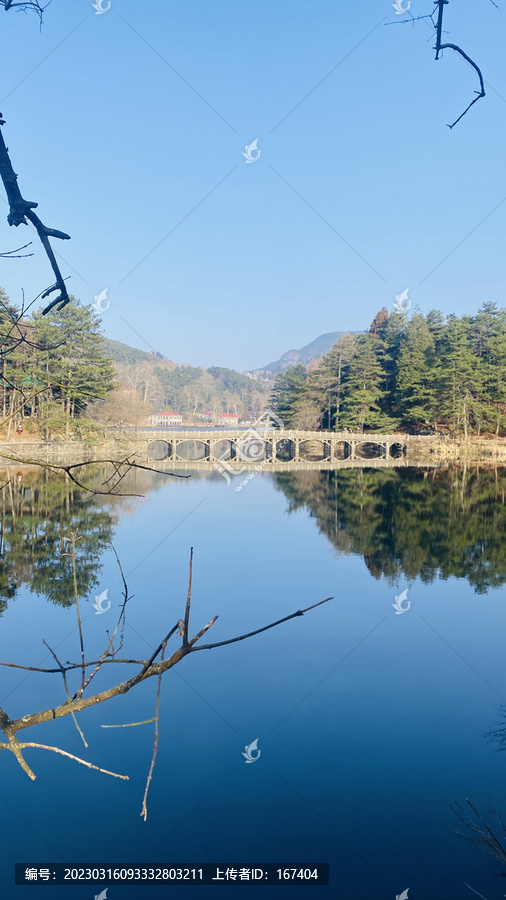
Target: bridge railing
290	434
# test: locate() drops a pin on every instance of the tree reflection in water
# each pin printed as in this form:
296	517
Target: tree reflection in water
420	523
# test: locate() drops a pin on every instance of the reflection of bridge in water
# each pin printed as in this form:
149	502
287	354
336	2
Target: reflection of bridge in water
251	447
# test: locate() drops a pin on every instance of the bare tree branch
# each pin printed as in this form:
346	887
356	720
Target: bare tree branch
21	210
144	810
188	602
148	669
242	637
25	5
83	762
440	46
67	470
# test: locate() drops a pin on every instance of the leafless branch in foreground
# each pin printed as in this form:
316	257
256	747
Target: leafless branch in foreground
121	468
148	668
440	46
21	210
25	6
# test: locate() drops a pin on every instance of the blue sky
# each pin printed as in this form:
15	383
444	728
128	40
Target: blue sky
129	133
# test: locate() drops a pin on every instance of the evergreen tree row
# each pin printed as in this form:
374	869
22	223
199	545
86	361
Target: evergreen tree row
419	374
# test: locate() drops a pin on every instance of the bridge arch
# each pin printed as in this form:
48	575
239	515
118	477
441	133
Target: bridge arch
312	450
222	449
396	450
159	450
191	450
285	450
369	449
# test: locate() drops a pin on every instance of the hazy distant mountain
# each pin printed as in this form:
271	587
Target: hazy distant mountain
317	348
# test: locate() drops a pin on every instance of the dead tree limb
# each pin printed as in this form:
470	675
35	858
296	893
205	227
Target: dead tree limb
66	471
25	5
440	46
21	210
149	668
144	810
447	46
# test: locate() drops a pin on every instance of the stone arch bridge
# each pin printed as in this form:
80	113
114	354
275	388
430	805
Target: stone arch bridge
250	447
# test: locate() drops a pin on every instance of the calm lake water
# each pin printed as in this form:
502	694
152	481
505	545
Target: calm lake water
369	723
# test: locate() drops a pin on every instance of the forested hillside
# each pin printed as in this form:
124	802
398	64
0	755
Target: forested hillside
60	377
420	374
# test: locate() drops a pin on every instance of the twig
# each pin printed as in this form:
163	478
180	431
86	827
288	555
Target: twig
242	637
74	539
131	724
121	621
15	254
70	756
65	684
144	810
188	602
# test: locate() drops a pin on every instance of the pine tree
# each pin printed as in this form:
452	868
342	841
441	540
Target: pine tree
328	378
488	336
72	358
461	376
364	387
291	396
417	374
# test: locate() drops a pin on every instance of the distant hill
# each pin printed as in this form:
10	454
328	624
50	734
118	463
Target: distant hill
152	383
317	348
123	353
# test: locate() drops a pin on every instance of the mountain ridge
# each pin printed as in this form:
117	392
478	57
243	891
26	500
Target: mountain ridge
305	355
